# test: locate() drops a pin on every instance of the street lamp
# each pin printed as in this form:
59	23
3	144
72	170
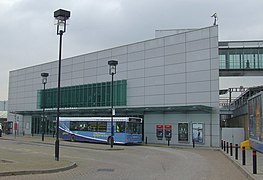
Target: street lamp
44	82
112	65
61	16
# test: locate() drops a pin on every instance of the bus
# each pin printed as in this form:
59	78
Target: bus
127	130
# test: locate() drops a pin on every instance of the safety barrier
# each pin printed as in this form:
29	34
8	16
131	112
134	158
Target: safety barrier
226	147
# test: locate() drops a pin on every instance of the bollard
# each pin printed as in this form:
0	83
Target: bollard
254	154
146	140
236	152
227	147
224	145
243	156
231	150
168	142
193	143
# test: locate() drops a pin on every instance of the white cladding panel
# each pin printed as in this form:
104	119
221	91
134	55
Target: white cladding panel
176	69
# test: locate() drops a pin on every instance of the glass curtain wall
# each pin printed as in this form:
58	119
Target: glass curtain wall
49	125
89	95
245	58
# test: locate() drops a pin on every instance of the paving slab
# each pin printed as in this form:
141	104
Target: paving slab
247	169
23	161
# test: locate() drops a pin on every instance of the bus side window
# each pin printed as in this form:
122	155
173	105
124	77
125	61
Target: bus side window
73	126
120	127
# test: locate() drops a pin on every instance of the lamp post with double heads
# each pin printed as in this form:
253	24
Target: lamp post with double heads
112	65
44	82
61	16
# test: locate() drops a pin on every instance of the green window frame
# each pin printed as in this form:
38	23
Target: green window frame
87	95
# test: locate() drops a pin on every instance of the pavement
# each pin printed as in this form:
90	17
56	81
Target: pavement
246	169
16	163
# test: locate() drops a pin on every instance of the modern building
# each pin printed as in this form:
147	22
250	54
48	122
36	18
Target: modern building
170	80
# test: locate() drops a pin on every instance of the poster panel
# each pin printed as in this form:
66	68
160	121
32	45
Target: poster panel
198	133
255	121
183	134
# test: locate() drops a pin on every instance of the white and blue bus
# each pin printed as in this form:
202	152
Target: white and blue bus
98	129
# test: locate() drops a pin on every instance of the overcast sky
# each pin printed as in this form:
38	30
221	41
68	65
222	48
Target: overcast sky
28	34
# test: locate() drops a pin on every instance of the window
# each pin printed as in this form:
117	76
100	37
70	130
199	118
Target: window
92	126
241	58
73	126
78	126
134	128
88	95
102	126
120	127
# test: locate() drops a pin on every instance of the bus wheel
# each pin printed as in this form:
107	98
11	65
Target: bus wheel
72	137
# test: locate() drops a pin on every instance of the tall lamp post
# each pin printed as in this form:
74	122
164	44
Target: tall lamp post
61	16
44	82
112	65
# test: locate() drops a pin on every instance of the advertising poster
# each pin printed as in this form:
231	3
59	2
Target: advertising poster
255	122
198	133
183	132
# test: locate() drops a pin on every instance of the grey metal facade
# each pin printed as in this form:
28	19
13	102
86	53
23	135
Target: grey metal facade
162	74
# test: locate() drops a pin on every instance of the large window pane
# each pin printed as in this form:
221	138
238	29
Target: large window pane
102	126
89	95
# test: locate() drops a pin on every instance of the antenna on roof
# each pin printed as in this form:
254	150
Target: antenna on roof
215	19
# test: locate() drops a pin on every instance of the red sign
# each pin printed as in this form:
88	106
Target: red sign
168	131
159	126
167	126
159	131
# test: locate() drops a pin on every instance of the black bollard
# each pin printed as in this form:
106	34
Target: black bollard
231	150
224	145
146	140
193	143
254	154
168	142
227	147
236	152
243	156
